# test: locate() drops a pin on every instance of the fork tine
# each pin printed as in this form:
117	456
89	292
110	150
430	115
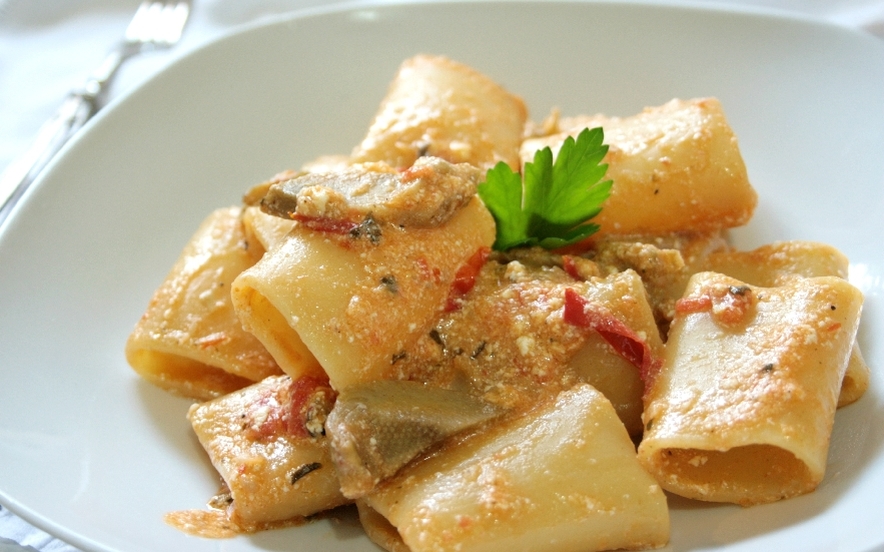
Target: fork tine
158	22
177	19
140	21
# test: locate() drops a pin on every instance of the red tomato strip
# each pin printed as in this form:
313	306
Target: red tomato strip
627	343
465	278
332	226
285	410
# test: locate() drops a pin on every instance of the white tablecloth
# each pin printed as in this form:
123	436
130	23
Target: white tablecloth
48	46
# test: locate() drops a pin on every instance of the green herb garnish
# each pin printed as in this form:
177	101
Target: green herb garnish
553	207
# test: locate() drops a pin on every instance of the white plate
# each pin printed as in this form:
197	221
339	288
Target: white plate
94	455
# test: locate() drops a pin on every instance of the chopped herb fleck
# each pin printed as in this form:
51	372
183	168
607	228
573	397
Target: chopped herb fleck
368	228
437	337
389	282
303	470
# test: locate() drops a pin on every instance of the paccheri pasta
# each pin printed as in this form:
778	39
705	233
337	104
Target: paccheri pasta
354	338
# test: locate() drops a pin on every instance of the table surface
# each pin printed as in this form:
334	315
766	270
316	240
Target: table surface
48	47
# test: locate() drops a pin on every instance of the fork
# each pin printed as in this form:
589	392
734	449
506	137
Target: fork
156	24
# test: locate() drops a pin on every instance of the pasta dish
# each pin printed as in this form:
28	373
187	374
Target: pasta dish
477	361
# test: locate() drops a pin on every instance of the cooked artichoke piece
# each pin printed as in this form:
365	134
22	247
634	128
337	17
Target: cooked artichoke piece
377	428
425	195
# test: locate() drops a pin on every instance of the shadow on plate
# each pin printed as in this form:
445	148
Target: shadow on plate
169	416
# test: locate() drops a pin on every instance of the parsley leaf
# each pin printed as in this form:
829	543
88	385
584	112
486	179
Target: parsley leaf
554	204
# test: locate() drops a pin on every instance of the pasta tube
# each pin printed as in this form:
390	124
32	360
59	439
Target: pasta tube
439	107
189	340
348	306
676	167
770	264
743	406
562	477
667	263
267	443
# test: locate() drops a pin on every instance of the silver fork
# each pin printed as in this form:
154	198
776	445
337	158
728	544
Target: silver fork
156	24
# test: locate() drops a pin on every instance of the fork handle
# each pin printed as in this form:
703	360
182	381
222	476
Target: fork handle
18	176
